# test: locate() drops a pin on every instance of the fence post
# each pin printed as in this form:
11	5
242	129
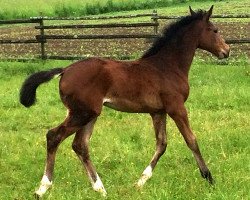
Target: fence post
42	39
155	20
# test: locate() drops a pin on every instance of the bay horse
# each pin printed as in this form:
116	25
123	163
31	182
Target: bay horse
157	83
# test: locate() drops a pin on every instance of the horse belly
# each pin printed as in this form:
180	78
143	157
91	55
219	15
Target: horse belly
136	106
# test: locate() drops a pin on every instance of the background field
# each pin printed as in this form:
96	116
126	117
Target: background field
229	28
24	8
123	144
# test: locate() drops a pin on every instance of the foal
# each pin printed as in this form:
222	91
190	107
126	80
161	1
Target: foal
157	84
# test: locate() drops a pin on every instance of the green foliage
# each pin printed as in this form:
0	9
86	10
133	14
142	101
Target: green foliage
180	1
64	11
66	8
123	144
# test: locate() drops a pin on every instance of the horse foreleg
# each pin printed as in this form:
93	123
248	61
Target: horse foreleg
159	122
80	146
181	120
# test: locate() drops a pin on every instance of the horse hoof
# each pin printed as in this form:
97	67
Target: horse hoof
37	196
211	180
207	175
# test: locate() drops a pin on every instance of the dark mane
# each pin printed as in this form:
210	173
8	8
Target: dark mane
170	32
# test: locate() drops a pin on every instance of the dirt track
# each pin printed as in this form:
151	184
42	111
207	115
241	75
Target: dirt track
114	47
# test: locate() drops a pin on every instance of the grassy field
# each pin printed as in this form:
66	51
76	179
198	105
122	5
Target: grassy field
123	144
23	8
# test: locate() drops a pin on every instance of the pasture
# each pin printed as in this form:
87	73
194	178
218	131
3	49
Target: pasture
24	9
122	144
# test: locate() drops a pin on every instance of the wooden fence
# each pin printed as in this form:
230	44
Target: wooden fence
42	38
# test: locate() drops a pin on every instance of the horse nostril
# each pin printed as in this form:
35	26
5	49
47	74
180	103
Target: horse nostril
226	54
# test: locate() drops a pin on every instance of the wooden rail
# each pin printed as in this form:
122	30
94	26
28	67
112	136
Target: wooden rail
20	21
84	37
238	41
19	41
116	25
44	38
213	16
94	17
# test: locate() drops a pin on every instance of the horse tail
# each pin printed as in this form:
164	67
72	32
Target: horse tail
28	89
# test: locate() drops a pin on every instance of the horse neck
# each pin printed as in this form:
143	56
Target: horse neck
178	54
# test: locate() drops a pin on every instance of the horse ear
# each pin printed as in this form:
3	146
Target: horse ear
191	11
209	13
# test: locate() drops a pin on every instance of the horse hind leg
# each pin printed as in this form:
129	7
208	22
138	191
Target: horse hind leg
80	146
55	137
159	122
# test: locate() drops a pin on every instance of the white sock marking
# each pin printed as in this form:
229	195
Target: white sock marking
146	174
98	186
44	186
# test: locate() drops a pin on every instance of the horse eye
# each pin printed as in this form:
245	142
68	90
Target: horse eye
216	31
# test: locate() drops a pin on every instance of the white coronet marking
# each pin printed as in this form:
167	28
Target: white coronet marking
98	186
147	173
44	186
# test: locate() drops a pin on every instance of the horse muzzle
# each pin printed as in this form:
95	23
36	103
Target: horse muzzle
224	53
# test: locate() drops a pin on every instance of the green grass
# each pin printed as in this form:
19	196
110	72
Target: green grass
123	144
23	8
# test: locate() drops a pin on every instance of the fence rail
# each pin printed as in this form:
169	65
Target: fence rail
95	17
92	37
237	41
44	38
213	16
116	25
19	41
21	21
